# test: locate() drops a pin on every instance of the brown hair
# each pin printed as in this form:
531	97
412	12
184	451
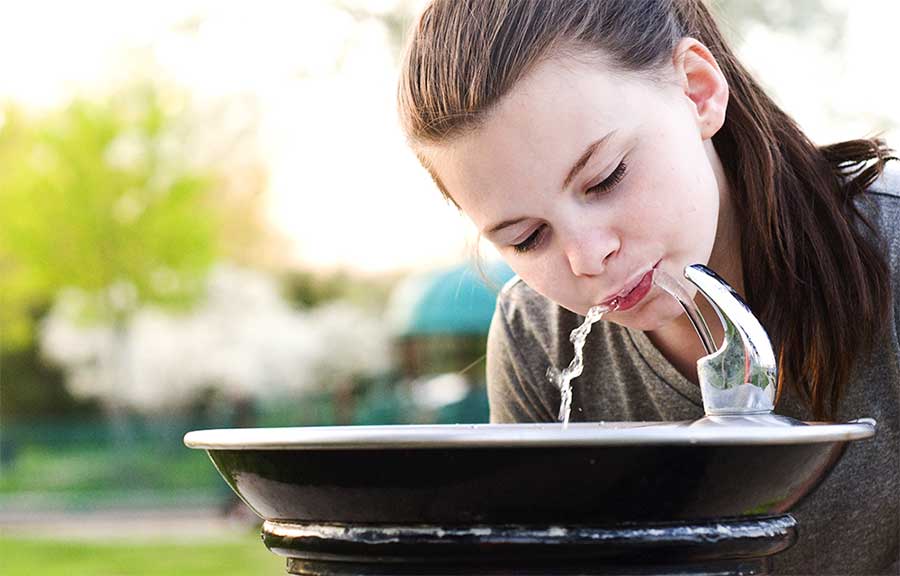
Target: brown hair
813	271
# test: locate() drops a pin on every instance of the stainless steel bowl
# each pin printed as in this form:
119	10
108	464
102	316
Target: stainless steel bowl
596	473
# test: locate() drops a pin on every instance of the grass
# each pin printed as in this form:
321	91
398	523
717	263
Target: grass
84	477
238	557
147	467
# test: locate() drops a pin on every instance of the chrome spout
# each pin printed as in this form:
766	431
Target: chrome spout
740	377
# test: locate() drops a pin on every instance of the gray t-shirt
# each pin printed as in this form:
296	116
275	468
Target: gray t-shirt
849	525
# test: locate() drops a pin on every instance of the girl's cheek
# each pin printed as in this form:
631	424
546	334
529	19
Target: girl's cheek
537	277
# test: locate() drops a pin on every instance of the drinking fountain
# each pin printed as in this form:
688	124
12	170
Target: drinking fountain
710	496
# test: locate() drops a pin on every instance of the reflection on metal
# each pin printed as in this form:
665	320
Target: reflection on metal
676	290
725	546
740	377
512	436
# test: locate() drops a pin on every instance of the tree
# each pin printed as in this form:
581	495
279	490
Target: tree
98	197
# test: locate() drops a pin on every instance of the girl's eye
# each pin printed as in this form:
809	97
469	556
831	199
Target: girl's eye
610	180
531	242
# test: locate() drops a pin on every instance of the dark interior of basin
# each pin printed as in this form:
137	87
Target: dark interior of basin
533	485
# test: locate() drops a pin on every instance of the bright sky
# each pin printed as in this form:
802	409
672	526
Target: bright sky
343	187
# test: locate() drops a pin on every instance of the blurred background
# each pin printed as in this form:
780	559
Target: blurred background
209	218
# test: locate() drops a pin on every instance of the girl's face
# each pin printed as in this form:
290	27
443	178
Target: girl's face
586	180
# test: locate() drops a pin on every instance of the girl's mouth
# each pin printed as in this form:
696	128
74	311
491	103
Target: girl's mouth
632	297
636	294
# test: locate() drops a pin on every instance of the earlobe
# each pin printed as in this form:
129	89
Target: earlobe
703	83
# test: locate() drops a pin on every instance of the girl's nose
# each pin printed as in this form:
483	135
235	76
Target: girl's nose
589	252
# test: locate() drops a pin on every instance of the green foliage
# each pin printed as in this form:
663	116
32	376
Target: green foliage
97	474
235	557
30	389
96	196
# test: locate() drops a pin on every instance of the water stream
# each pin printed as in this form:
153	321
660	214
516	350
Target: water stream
563	379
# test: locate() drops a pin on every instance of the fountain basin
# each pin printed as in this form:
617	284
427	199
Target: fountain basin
535	474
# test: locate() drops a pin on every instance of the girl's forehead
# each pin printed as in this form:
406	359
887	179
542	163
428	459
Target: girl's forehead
532	137
562	85
557	108
562	103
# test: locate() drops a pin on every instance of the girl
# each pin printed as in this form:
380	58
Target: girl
595	141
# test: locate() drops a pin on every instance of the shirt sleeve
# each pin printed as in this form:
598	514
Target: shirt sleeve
518	389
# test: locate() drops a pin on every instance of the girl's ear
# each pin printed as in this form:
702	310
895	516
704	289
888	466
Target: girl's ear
703	83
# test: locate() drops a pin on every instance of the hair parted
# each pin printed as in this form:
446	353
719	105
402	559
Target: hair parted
813	272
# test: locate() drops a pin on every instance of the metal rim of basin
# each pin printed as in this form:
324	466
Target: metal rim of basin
524	435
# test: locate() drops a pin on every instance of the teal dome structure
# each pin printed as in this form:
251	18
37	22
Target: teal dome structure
455	301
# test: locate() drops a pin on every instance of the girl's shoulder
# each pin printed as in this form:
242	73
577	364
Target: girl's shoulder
531	316
881	205
888	184
519	304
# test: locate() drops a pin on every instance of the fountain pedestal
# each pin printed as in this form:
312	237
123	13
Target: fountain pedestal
742	546
704	497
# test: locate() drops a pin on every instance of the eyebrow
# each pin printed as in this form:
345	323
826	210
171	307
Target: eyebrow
505	224
576	168
583	160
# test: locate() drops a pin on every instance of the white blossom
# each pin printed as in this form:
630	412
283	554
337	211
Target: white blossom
243	340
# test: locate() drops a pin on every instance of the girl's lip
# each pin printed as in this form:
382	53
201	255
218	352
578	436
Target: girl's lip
636	294
629	297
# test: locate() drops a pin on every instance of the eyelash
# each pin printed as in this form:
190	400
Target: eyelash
606	185
531	242
610	180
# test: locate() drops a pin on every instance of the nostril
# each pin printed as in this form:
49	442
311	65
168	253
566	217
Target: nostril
608	258
605	261
589	267
590	253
